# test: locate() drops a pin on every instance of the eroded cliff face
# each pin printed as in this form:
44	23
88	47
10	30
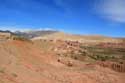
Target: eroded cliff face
26	62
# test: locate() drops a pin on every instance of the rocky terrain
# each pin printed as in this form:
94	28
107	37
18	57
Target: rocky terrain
62	60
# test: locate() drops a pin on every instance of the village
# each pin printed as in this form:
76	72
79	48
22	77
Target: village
68	48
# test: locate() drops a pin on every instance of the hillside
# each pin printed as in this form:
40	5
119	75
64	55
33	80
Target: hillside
26	62
57	57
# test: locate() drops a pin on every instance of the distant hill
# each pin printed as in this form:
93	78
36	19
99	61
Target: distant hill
5	35
51	34
6	31
32	34
81	38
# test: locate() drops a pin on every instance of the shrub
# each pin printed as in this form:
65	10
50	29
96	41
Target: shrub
70	64
1	70
123	57
14	74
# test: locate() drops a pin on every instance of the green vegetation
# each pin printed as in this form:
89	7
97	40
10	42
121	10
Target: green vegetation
21	38
94	53
103	54
102	58
123	57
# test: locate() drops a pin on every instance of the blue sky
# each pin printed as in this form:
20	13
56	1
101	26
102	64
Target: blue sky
104	17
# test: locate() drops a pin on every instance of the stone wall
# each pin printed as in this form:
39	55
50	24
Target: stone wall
113	65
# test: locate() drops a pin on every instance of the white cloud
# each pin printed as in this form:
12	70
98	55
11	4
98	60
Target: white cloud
113	10
44	29
14	28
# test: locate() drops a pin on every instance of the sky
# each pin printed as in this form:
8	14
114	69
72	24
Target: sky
87	17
